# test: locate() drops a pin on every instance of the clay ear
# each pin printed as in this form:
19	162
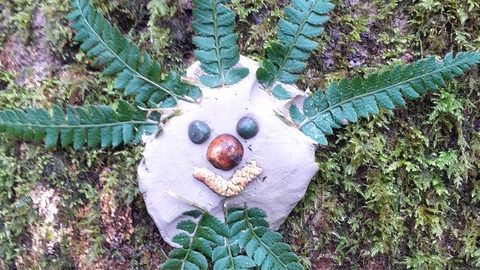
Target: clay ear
297	99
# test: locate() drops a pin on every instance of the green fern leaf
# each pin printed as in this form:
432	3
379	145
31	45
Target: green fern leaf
286	59
216	42
197	240
227	257
280	93
343	102
250	231
179	264
137	73
96	125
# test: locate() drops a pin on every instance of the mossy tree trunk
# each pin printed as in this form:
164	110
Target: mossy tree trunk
400	190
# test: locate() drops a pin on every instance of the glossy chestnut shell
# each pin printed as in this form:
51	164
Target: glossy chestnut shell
225	152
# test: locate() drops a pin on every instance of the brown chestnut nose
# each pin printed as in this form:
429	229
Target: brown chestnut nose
225	152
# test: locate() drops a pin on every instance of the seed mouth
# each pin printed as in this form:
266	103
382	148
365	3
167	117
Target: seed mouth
228	188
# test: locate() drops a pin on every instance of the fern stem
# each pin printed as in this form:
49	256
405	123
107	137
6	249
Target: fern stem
259	239
196	205
217	41
194	236
86	126
231	256
176	97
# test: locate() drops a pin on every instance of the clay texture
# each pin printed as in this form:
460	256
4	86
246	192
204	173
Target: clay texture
285	155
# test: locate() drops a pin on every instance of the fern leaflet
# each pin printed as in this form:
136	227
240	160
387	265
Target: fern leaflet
287	58
250	231
229	257
196	241
344	101
216	43
138	74
96	125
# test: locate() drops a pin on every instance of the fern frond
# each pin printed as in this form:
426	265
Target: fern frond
216	43
196	241
344	101
250	231
287	58
95	124
247	231
138	73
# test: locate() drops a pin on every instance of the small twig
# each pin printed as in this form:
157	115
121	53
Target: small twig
188	201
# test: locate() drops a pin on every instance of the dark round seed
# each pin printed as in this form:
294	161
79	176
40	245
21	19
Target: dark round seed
198	131
247	127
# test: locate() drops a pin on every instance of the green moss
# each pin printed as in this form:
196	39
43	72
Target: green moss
256	25
78	235
58	30
446	25
400	190
397	189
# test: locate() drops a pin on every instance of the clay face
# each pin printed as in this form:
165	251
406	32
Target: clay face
273	173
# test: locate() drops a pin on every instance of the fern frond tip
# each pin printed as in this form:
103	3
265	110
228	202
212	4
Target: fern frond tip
96	125
343	102
295	33
139	74
217	49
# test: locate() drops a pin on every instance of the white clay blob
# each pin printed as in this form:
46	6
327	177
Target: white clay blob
286	156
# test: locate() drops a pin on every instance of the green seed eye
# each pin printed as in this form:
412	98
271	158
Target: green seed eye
247	127
198	131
